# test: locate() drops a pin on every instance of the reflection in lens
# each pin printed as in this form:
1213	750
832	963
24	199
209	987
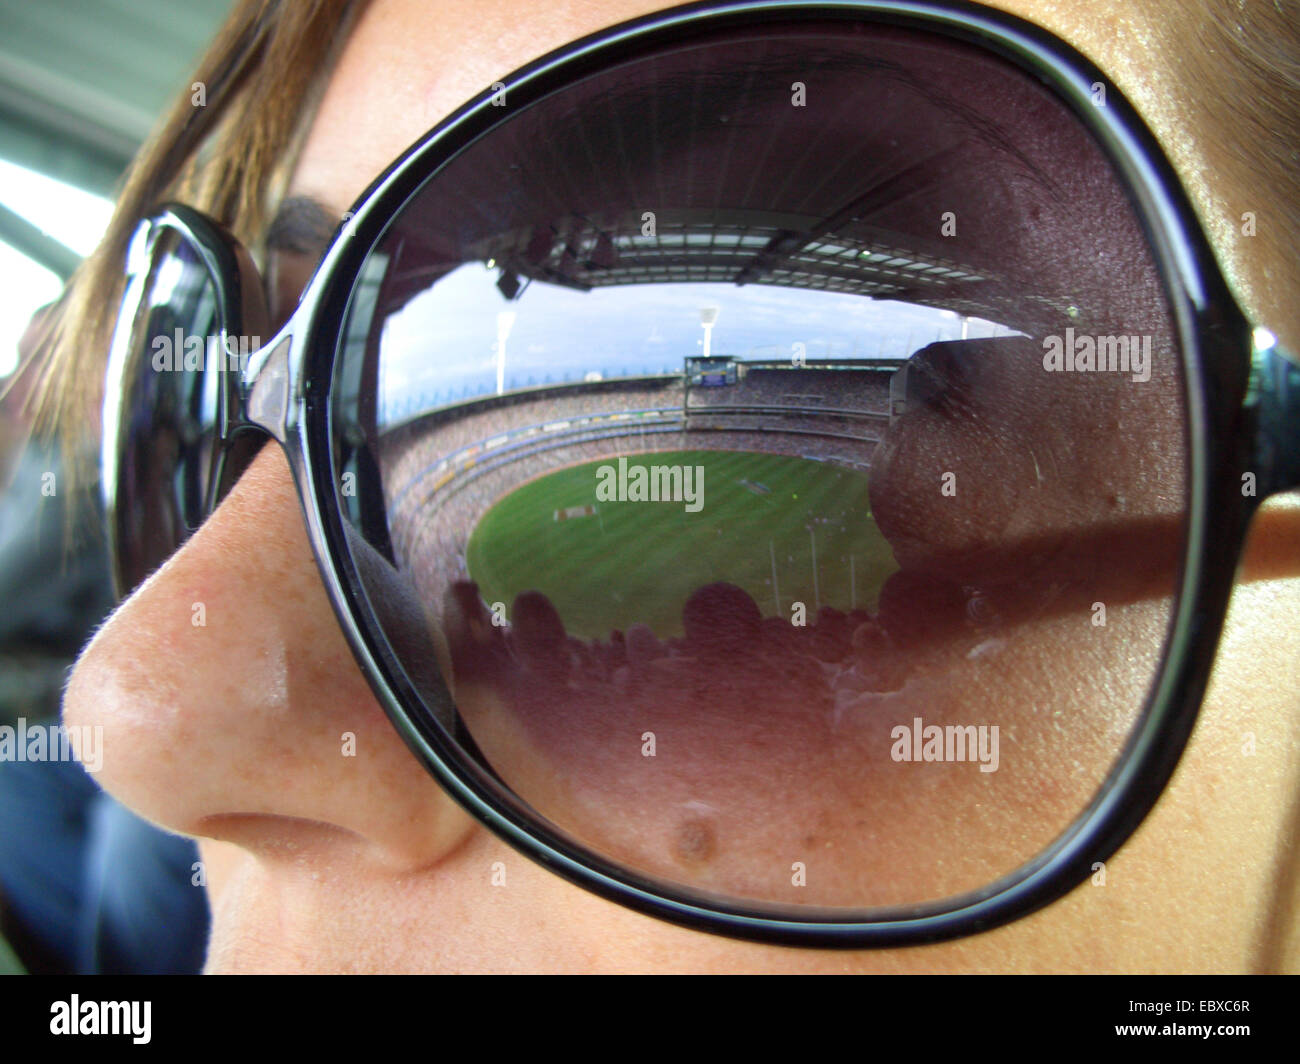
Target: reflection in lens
795	479
170	410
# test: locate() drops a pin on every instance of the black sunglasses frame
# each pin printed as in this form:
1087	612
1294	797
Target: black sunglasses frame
1243	409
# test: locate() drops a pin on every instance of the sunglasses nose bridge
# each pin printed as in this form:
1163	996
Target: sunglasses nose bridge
266	388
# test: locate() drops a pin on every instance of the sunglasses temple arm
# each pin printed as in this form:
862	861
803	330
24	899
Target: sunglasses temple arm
1275	394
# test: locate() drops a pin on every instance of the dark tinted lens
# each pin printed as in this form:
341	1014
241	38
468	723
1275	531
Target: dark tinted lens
779	440
169	412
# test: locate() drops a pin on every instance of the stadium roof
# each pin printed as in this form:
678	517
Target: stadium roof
753	248
911	172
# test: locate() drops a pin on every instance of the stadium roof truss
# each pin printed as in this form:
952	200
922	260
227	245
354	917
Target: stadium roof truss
747	248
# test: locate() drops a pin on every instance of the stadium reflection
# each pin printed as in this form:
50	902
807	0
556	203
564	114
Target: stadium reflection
907	520
700	694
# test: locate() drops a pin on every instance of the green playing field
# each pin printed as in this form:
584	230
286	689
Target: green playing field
611	564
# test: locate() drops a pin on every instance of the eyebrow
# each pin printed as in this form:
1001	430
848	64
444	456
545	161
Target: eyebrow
302	226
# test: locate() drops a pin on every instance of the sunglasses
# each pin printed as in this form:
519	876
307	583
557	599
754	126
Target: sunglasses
780	466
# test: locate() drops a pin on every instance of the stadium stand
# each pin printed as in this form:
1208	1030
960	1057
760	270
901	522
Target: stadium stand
442	472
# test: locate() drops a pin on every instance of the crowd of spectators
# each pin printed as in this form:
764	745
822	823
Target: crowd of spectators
730	658
864	391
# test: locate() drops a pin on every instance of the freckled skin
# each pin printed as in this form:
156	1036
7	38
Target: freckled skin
322	863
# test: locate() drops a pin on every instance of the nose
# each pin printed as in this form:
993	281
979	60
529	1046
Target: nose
232	708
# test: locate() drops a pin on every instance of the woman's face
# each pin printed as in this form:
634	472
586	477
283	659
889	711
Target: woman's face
316	861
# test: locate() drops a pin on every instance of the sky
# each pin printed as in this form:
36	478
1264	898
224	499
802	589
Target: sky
443	344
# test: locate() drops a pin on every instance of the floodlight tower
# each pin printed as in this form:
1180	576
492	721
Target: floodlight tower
708	316
505	321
